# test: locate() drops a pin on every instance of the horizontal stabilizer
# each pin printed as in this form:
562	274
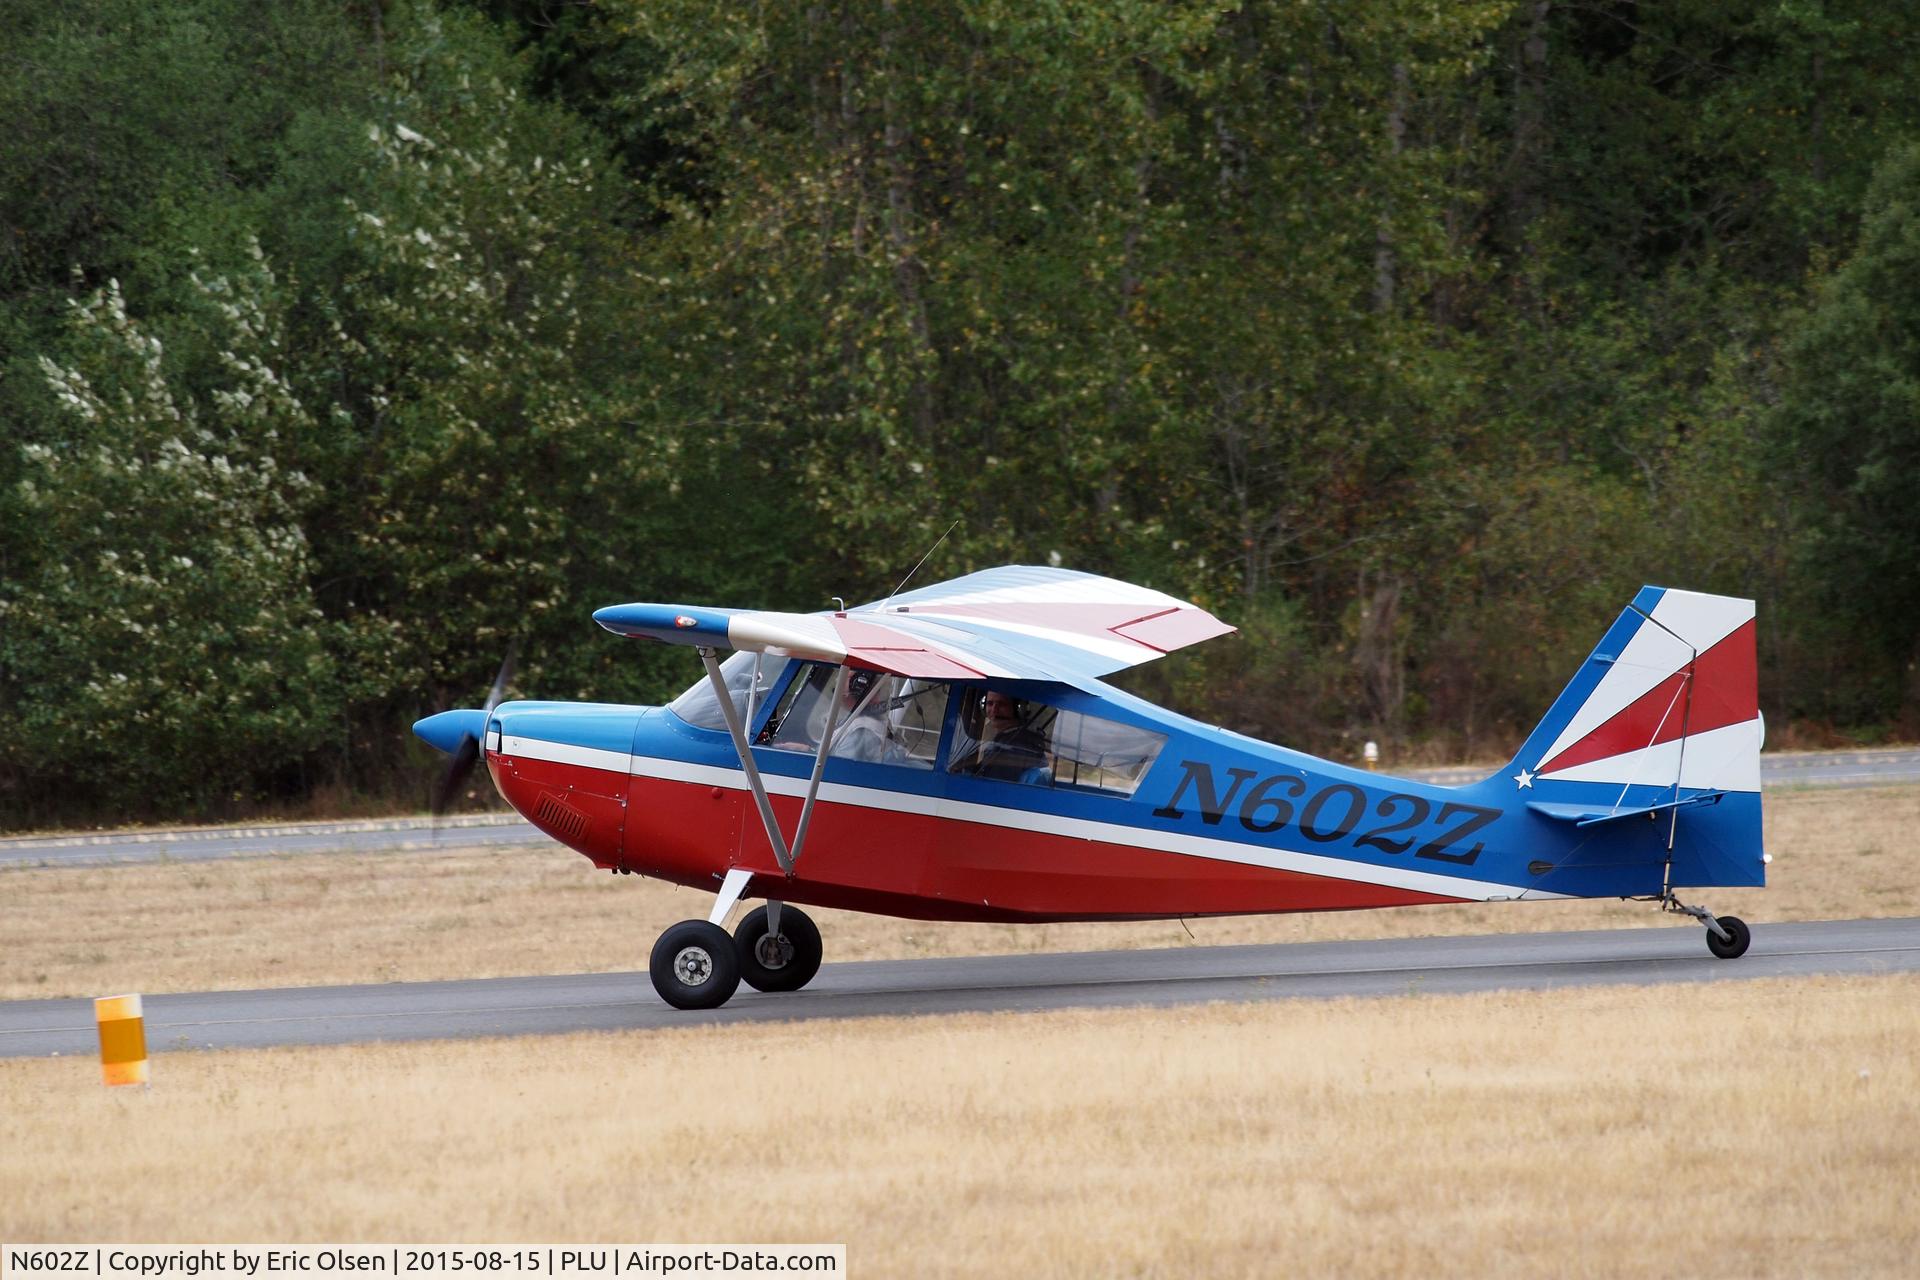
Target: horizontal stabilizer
1586	815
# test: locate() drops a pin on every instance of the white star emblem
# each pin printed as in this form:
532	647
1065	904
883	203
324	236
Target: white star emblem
1525	779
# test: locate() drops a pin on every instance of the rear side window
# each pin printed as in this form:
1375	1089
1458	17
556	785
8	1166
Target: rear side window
1011	739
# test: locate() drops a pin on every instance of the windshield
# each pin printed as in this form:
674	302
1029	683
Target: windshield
748	677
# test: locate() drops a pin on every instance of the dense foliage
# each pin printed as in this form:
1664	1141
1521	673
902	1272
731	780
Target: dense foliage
344	345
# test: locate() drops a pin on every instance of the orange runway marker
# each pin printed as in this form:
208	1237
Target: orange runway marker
123	1039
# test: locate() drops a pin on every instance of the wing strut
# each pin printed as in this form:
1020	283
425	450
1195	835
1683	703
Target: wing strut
739	733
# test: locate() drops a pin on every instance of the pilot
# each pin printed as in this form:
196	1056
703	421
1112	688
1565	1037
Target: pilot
864	735
1009	749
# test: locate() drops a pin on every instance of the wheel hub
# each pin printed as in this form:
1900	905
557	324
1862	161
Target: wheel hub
693	965
772	950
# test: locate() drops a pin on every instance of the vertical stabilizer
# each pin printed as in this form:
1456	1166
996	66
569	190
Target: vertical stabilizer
1664	711
1672	699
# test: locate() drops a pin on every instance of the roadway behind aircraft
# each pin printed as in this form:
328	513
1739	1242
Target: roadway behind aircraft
1834	770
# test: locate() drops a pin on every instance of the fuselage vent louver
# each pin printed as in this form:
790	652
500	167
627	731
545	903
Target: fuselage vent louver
555	815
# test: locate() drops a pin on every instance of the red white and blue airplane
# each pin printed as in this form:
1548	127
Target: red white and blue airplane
953	753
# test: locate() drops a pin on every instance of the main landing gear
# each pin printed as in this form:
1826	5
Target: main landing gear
1727	936
696	965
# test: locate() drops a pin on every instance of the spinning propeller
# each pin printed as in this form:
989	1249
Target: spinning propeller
458	734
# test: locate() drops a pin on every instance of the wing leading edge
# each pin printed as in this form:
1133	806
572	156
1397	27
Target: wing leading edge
1018	622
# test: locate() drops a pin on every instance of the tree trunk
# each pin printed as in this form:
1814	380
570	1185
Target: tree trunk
1384	264
908	274
1529	131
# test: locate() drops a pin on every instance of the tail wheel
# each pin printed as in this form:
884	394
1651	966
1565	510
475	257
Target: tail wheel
1734	945
783	961
694	966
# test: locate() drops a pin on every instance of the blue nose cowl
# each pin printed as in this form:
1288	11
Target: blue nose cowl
448	729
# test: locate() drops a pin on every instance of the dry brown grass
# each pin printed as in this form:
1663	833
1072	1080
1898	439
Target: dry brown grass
1767	1128
477	913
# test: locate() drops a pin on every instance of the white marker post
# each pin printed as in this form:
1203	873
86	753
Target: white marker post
123	1039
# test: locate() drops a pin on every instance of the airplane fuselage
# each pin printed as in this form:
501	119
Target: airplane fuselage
1215	824
955	753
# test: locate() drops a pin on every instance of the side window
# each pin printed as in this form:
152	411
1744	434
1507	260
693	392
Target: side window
1012	739
882	719
796	722
1003	737
918	711
1102	754
890	720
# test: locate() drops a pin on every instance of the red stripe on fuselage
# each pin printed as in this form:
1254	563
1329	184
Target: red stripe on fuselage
583	808
1725	691
927	867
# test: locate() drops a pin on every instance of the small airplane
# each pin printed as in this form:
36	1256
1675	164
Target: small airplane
953	753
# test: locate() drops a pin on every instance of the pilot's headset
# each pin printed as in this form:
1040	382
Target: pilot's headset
974	713
859	681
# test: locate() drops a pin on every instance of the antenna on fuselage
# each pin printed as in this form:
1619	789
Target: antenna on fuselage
923	559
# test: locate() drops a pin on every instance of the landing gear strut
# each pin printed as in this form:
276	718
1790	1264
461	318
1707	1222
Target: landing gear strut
1727	936
695	965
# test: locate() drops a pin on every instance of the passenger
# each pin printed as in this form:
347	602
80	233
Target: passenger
1010	749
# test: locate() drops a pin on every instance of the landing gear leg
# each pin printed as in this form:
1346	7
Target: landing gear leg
1727	936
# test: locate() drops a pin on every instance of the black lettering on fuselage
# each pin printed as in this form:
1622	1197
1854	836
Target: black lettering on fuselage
1331	813
1213	805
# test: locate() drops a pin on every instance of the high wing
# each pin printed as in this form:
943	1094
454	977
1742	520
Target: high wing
1018	622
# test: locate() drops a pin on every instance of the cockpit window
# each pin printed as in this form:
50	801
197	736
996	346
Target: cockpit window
1014	739
748	677
882	719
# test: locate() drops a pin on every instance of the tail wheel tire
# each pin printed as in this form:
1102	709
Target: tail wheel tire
694	966
1734	945
783	961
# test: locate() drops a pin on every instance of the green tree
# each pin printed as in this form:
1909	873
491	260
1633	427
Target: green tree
160	648
1848	434
132	125
1085	275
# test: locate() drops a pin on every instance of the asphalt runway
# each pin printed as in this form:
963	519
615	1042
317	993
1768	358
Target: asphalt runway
200	844
1103	979
387	835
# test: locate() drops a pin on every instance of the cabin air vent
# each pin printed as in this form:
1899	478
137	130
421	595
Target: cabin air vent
555	815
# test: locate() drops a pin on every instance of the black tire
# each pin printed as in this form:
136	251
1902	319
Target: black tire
785	962
1734	945
694	966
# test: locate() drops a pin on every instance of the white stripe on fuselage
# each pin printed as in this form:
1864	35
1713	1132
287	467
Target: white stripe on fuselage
1311	864
565	753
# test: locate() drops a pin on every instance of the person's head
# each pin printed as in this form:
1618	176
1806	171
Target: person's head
858	683
1003	709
